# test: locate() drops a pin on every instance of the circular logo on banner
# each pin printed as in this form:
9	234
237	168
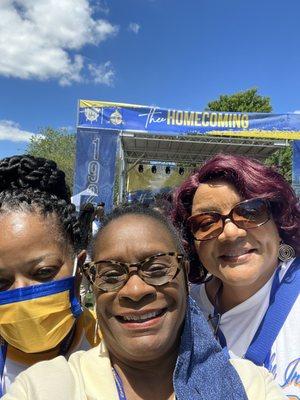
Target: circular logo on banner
116	118
91	114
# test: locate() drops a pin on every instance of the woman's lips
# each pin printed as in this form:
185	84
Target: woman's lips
237	256
141	320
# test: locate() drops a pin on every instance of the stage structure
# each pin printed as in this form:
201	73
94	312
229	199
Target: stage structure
142	149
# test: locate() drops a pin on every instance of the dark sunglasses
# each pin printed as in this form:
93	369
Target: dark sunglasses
247	214
111	275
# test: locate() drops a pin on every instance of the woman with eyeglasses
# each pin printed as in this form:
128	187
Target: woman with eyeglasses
156	344
40	249
241	224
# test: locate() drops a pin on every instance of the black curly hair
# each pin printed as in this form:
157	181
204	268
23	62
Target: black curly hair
35	184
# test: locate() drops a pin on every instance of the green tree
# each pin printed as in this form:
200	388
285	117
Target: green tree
247	101
282	161
57	145
251	101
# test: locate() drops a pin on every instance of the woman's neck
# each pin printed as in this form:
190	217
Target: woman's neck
226	297
151	380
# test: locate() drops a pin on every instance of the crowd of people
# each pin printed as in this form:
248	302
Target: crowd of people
194	300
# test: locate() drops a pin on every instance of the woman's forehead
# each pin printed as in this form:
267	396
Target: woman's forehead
136	221
134	233
215	195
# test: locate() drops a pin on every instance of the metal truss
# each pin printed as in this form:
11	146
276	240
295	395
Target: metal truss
191	149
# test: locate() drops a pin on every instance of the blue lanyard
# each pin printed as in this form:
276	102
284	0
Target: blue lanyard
119	384
217	316
216	320
282	297
3	352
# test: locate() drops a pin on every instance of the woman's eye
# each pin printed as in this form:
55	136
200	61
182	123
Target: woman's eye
157	270
206	224
111	276
157	267
45	273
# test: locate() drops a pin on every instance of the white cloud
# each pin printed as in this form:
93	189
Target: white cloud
297	112
42	39
134	27
10	130
101	6
102	73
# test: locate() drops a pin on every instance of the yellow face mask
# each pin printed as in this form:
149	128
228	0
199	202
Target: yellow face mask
37	318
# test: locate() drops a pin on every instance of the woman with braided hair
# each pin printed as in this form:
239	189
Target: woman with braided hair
40	315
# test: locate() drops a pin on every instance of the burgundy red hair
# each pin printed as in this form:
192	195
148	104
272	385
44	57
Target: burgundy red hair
251	179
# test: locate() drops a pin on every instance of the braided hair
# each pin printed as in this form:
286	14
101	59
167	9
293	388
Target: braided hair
35	184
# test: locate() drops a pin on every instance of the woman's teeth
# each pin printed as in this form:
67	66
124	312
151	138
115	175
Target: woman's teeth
141	318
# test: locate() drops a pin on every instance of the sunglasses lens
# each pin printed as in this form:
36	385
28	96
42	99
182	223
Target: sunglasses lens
251	214
206	226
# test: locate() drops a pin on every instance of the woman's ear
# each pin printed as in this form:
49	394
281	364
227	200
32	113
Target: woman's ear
81	259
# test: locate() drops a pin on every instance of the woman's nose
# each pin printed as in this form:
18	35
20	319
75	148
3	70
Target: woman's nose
21	282
231	231
136	289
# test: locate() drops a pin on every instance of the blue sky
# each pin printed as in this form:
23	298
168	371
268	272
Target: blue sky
167	53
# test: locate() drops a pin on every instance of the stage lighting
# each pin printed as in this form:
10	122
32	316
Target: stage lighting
181	171
168	170
153	169
141	168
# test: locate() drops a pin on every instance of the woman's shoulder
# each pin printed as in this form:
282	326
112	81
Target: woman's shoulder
44	380
258	382
53	379
62	379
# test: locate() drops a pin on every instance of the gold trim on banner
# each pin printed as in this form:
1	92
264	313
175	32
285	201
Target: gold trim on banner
288	135
96	103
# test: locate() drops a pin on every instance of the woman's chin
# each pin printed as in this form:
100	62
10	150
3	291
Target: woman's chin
146	349
240	275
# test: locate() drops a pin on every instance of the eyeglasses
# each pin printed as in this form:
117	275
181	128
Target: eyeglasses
247	214
157	270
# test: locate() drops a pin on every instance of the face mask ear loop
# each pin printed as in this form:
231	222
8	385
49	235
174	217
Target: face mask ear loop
96	331
75	266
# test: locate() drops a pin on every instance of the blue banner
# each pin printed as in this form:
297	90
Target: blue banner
296	166
95	166
99	124
129	117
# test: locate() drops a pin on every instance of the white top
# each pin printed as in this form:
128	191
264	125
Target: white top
88	375
240	324
13	368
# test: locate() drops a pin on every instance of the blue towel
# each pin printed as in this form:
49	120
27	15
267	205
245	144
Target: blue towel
203	370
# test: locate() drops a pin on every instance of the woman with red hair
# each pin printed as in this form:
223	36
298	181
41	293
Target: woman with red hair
241	223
